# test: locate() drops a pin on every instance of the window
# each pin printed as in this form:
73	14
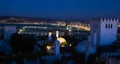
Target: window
106	26
111	25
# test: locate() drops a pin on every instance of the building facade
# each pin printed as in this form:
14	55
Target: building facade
103	31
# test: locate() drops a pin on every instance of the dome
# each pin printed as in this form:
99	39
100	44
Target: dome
60	39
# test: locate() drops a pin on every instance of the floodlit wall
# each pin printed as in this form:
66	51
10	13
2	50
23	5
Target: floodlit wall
105	29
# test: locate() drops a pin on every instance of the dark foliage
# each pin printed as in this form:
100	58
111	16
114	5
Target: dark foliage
22	43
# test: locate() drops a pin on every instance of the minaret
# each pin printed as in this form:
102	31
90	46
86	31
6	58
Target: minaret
57	44
57	34
49	36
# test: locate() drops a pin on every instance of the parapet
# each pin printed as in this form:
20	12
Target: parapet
109	19
104	20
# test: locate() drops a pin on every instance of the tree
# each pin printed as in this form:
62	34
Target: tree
22	43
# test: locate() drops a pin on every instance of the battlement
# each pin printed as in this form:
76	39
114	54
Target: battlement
104	20
103	30
109	19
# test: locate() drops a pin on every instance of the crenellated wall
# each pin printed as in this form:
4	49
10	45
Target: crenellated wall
105	29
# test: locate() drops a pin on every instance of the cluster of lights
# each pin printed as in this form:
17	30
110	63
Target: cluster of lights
85	28
21	30
80	27
48	47
27	27
34	27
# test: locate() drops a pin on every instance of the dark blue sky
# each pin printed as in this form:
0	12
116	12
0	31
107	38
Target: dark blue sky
62	9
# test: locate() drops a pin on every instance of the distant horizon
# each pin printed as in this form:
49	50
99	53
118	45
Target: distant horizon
58	18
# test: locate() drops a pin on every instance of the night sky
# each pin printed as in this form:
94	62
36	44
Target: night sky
60	9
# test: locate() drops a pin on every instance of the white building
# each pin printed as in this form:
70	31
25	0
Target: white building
103	31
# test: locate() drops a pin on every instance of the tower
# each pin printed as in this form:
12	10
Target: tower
103	31
57	34
49	36
57	47
57	44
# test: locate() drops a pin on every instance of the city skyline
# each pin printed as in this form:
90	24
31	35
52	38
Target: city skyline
60	9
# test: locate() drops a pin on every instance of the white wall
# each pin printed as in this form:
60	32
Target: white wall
105	36
108	35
